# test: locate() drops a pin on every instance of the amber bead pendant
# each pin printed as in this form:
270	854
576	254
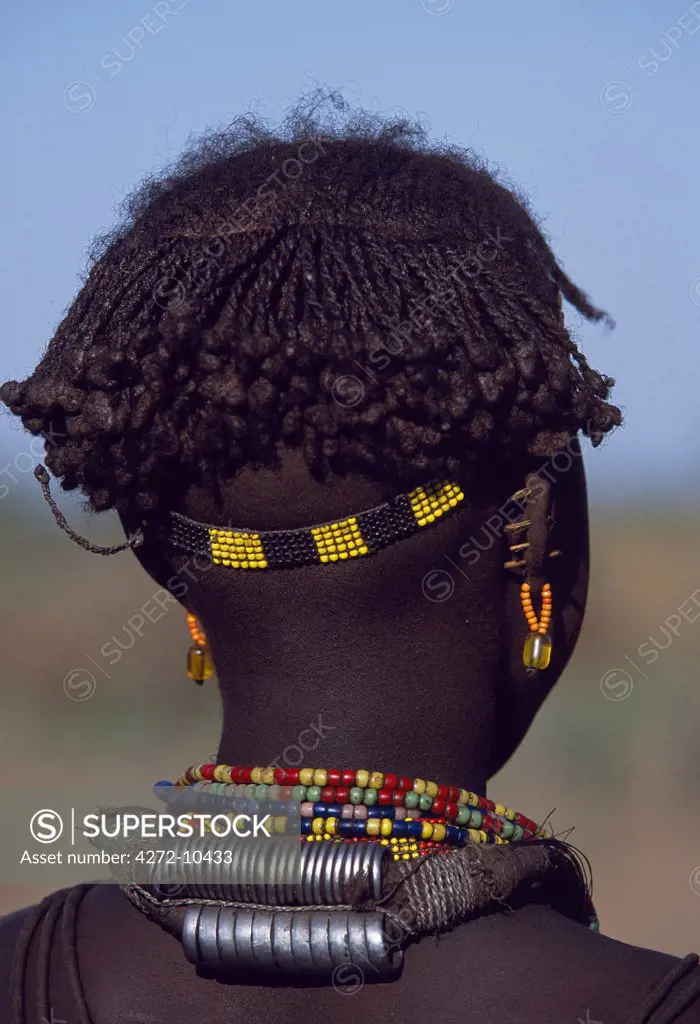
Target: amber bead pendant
200	664
537	651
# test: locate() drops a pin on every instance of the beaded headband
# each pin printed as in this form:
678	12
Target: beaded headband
361	534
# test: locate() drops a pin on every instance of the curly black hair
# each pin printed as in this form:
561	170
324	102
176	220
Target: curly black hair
337	284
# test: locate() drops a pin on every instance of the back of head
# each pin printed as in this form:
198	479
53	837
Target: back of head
246	286
312	317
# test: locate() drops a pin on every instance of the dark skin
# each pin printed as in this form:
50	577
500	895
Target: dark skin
429	688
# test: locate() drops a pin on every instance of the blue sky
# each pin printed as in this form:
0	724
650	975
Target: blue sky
590	107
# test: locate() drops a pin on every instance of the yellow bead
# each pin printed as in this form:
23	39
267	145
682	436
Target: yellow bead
439	832
267	775
427	830
499	809
376	780
374	826
431	788
331	826
306	777
386	825
318	825
256	775
537	651
362	778
419	786
222	773
279	823
509	813
200	665
320	777
463	797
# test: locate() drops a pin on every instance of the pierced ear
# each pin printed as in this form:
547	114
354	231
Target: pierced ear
546	543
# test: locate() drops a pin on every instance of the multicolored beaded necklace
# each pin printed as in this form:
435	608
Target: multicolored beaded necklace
410	815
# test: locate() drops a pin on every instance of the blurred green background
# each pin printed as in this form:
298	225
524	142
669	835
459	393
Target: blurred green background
617	760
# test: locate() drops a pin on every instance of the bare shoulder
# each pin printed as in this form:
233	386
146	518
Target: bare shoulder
11	927
525	966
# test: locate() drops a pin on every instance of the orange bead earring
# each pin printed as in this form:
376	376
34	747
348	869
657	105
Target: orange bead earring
538	646
200	664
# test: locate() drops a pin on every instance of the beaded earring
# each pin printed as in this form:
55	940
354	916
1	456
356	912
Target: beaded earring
538	645
200	664
530	556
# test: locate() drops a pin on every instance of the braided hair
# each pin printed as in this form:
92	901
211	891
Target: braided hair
338	284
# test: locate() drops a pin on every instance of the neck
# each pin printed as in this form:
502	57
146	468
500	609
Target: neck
359	665
317	676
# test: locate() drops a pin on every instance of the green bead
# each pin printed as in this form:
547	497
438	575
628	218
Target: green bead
370	797
313	793
508	830
250	791
261	792
476	819
298	792
357	795
425	802
273	792
463	815
410	800
517	833
537	651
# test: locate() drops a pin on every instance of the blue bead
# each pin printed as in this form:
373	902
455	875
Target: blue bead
345	827
400	829
163	782
452	834
334	810
359	827
320	810
381	812
306	826
415	829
